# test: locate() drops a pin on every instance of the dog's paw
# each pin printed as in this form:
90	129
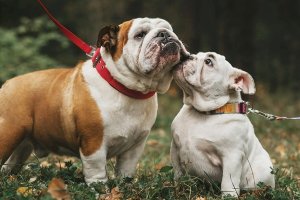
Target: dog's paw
91	180
229	194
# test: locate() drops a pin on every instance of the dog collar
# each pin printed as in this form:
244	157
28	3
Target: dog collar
100	65
230	108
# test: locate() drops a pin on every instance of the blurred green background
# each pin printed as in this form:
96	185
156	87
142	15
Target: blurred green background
261	37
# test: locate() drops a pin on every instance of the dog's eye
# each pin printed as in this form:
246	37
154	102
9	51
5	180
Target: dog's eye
140	35
208	62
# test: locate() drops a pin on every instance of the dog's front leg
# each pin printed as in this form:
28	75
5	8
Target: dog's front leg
232	170
94	166
175	160
127	161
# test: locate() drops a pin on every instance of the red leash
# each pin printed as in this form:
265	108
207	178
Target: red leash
97	60
71	36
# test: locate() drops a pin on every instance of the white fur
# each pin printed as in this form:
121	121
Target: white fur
220	147
94	166
127	122
131	68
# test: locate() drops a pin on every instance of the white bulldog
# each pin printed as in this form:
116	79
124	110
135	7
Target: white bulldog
212	136
77	112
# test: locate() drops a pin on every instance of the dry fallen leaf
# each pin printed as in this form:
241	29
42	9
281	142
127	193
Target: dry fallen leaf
60	165
273	161
24	191
201	198
45	164
159	165
70	159
152	142
281	149
12	178
161	132
58	190
294	156
115	194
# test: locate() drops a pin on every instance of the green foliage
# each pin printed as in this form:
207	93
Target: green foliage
23	47
156	184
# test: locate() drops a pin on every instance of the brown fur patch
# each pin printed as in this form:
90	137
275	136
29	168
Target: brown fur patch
88	120
15	115
122	38
108	37
52	107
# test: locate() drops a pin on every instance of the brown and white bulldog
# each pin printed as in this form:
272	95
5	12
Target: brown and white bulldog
76	112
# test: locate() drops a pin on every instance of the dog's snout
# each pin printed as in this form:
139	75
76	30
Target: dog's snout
192	57
164	34
184	56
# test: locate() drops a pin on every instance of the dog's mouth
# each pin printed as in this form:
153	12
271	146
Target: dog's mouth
163	54
166	44
184	58
169	47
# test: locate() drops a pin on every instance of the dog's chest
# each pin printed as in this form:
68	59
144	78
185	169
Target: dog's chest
126	121
126	125
222	130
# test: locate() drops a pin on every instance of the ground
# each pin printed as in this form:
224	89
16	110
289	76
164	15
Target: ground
61	177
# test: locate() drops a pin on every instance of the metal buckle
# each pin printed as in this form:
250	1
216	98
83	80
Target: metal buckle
249	107
92	52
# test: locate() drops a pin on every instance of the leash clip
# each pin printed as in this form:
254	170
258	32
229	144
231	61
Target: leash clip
249	107
92	52
268	116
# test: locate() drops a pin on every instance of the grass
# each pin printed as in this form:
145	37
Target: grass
154	177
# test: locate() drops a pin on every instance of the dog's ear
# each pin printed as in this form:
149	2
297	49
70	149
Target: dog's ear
242	81
108	37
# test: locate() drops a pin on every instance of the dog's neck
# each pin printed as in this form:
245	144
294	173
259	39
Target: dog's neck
100	66
235	104
132	80
235	97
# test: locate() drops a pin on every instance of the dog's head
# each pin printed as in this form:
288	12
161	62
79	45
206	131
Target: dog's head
209	81
140	53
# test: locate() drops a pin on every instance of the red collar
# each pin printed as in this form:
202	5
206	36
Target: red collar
100	65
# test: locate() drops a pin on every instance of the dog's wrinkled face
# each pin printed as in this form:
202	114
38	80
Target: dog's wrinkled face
144	49
209	81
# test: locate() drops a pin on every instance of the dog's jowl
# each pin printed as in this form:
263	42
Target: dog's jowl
212	136
76	112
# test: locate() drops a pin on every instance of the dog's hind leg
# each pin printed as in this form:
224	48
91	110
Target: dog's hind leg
11	136
18	157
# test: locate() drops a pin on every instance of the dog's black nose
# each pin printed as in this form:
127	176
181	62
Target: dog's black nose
164	34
